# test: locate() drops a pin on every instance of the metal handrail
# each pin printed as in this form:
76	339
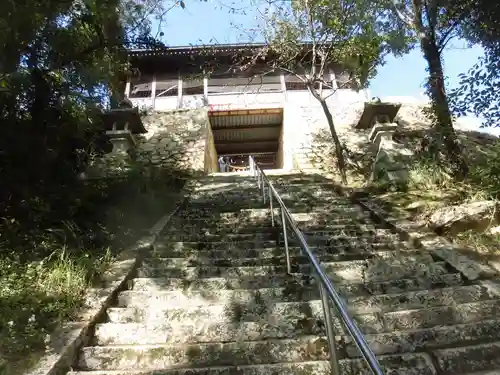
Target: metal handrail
327	290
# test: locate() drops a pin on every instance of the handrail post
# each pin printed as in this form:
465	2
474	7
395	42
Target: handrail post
327	290
271	205
285	239
250	165
263	192
330	334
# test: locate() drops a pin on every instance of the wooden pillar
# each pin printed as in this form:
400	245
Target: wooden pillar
153	91
333	79
127	88
205	88
179	91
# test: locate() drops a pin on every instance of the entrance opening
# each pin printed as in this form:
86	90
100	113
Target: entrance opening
237	134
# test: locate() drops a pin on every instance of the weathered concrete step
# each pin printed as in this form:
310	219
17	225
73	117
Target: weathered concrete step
211	283
202	210
233	313
443	315
345	271
427	338
474	358
186	229
203	236
152	357
258	215
265	224
288	191
295	281
278	252
196	260
423	298
185	298
311	313
340	246
358	304
202	331
210	207
385	343
313	236
353	229
408	364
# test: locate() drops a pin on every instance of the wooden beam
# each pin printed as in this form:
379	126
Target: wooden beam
246	141
246	127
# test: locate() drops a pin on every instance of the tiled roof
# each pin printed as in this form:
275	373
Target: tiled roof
189	50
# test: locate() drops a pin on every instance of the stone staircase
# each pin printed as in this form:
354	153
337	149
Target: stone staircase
214	298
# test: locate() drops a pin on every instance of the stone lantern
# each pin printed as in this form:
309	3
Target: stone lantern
121	124
388	165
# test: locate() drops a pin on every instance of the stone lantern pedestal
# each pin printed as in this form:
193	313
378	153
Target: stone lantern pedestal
120	124
389	163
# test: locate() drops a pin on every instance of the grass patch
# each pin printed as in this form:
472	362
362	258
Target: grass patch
430	188
35	297
52	252
485	244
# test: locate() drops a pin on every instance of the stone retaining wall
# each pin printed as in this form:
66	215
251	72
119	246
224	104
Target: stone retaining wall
308	140
175	140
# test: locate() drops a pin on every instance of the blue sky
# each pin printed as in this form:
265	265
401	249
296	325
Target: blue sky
212	22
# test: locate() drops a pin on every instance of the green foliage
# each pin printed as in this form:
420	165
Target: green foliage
478	93
309	38
354	34
49	259
478	88
59	63
486	174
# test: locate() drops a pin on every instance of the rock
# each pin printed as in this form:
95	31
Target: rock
454	219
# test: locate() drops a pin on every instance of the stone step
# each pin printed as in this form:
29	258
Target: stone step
311	313
211	208
183	298
153	357
189	332
303	221
277	254
285	192
408	364
353	229
294	281
210	237
385	343
290	199
344	271
426	339
244	215
259	298
197	260
211	283
232	313
474	358
313	237
422	298
342	245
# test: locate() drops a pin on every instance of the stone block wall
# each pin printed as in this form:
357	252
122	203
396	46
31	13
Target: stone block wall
175	140
211	163
307	137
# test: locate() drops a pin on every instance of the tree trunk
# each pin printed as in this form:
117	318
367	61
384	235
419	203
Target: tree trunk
440	106
338	147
